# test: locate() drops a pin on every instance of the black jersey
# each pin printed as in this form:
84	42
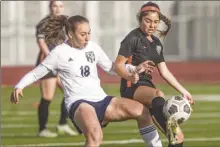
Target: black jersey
138	49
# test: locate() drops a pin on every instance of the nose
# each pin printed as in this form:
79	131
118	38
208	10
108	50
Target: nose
151	25
87	37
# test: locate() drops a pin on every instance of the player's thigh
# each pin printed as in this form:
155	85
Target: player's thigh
48	87
86	119
145	94
121	109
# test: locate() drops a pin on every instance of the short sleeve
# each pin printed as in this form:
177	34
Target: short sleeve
103	61
39	33
39	28
51	61
127	47
161	57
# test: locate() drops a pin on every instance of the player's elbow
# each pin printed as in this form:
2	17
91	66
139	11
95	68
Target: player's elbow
117	67
164	73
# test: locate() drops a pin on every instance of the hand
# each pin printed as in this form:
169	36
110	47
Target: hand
134	77
15	95
147	67
188	96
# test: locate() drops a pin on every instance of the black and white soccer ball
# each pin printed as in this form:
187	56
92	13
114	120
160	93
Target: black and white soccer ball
178	108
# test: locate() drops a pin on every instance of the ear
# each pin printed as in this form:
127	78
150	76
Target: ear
70	35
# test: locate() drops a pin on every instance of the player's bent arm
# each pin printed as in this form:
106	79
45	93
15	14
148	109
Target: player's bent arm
121	68
107	65
169	78
32	76
129	68
50	63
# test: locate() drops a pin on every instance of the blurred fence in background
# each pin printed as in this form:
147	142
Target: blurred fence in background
195	33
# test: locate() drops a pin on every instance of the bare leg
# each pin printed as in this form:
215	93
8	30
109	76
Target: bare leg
123	109
86	119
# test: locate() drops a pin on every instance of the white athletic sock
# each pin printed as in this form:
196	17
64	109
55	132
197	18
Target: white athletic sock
151	136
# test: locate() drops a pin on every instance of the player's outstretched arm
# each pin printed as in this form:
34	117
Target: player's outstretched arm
50	63
171	80
27	80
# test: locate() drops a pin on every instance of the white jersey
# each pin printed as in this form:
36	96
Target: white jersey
77	69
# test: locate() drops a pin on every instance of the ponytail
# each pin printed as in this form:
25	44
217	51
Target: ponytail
53	29
167	22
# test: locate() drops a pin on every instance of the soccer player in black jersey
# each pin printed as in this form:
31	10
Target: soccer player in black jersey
141	45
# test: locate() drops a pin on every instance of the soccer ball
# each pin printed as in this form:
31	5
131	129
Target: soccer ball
178	108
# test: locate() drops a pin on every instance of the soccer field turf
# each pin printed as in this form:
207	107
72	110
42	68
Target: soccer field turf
19	123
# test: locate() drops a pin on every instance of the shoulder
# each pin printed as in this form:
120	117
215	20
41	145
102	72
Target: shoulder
61	49
94	46
42	21
158	42
131	36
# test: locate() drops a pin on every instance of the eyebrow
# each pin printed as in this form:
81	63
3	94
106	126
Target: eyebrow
151	19
86	32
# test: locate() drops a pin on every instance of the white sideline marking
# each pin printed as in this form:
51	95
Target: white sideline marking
129	141
131	131
209	97
8	119
197	122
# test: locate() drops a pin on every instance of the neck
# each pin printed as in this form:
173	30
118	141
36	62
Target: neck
72	44
143	31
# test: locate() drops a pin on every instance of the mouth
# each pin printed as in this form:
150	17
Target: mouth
151	31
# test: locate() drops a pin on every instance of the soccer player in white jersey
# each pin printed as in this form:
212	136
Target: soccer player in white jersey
88	106
51	81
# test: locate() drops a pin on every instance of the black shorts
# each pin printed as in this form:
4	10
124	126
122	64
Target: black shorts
128	92
50	74
100	108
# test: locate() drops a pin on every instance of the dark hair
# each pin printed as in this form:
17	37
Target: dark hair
51	3
71	22
55	28
150	6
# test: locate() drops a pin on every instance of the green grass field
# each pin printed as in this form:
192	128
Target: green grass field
19	123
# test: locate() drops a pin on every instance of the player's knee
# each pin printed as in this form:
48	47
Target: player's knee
47	97
141	112
137	110
144	117
94	137
159	93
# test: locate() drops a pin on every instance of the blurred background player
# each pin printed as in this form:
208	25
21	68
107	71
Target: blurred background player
141	45
49	82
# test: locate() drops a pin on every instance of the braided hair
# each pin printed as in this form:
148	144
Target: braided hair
150	6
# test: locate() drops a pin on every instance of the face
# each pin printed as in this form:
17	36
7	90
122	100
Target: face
81	36
150	22
57	8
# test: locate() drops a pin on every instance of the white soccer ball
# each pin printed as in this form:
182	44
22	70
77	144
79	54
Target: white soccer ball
178	108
